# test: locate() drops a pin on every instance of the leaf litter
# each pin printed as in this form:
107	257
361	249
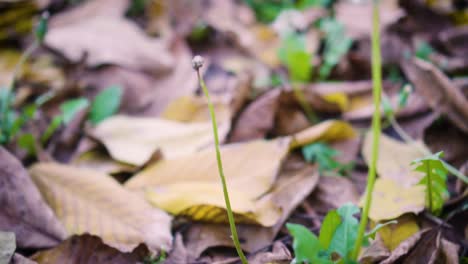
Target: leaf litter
108	154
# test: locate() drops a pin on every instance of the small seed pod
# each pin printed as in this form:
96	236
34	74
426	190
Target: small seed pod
197	62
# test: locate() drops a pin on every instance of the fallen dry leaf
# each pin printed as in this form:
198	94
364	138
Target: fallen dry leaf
194	189
89	249
390	199
134	140
348	11
440	93
393	235
325	198
106	37
375	253
427	250
394	159
86	201
404	247
19	259
295	182
279	255
24	212
179	254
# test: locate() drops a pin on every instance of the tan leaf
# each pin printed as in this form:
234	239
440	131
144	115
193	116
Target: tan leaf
404	247
325	198
7	246
89	249
107	38
393	235
390	200
295	182
24	212
394	159
86	201
331	130
134	140
181	189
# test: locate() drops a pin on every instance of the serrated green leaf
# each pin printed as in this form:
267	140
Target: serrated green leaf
306	245
435	180
346	234
71	107
330	224
105	104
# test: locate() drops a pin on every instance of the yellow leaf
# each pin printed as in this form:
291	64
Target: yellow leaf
195	109
185	185
86	201
331	130
394	159
338	98
393	235
190	185
390	200
134	140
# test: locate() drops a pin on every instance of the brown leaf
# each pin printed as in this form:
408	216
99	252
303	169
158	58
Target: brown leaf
278	255
24	212
404	247
179	254
427	250
89	249
257	119
440	93
325	198
19	259
375	253
93	30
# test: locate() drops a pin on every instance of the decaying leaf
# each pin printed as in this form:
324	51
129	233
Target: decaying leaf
440	93
255	164
296	181
393	235
404	247
89	249
390	200
375	253
19	259
93	29
24	212
325	197
86	201
279	255
7	246
194	189
394	159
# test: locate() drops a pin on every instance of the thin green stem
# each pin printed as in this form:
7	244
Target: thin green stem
429	187
377	91
232	224
26	54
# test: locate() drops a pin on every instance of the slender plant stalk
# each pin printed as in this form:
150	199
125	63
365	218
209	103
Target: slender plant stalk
377	91
232	224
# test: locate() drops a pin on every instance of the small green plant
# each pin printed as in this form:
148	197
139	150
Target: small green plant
325	156
197	63
337	237
337	44
155	260
267	10
435	180
424	51
376	126
10	121
294	56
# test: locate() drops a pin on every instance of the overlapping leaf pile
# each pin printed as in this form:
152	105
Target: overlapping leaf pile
107	151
